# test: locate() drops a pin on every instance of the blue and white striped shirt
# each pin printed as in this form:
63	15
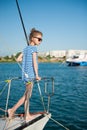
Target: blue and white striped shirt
28	73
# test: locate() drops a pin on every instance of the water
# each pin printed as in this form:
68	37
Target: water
69	103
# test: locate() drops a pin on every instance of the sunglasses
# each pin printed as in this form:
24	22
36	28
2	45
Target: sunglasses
39	39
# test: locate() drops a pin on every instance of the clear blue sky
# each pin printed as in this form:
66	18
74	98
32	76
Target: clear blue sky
63	23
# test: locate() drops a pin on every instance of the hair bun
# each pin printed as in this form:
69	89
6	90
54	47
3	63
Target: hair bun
33	30
34	33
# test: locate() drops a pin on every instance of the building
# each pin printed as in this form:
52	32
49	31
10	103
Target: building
58	53
71	53
62	53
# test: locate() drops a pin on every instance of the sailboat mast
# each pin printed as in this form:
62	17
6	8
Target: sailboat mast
22	21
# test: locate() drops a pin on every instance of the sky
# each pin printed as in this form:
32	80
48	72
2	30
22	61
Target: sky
62	22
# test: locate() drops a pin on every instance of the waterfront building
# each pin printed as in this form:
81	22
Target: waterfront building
62	53
71	53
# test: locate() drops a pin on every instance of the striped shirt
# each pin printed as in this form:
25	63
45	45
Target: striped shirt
28	73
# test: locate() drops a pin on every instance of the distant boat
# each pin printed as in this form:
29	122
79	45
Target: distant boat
77	60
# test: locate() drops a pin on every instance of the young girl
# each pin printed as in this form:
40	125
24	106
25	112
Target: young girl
29	71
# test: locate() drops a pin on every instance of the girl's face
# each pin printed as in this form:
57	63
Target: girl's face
37	39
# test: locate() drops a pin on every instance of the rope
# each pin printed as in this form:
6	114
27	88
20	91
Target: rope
26	75
3	89
58	123
2	110
41	95
8	95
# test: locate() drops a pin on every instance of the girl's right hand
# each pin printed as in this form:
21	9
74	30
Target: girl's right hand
38	78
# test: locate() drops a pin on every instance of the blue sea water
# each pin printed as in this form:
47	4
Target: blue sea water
69	103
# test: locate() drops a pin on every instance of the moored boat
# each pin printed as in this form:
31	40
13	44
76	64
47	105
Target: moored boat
80	60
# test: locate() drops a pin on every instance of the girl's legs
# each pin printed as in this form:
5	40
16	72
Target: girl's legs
25	100
16	106
28	94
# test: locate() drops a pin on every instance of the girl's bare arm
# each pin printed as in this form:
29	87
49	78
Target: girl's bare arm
19	59
35	66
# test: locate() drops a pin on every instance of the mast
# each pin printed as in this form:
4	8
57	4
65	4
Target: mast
22	21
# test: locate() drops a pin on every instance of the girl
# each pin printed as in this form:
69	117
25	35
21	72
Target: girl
29	71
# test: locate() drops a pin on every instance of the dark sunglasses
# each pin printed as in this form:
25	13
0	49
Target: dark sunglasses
39	39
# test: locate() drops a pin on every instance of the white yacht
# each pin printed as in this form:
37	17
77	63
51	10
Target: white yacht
77	60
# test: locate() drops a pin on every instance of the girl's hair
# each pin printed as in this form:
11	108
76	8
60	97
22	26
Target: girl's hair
34	33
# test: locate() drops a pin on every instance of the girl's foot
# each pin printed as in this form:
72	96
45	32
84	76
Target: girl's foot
10	113
30	117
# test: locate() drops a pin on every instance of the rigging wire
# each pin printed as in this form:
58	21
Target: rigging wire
58	123
14	57
41	96
26	75
3	89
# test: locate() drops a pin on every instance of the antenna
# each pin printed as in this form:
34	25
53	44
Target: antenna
22	22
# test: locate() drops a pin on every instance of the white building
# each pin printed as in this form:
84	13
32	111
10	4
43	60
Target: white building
58	53
62	53
43	54
71	53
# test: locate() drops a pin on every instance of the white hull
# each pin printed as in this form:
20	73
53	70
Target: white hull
80	60
18	123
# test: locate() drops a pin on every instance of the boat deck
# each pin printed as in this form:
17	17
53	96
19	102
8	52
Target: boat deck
18	122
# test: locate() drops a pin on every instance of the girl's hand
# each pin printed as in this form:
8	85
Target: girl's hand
38	78
19	59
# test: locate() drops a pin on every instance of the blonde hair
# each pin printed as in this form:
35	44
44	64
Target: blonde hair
34	33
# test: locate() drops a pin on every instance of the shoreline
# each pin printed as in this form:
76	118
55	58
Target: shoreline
40	60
